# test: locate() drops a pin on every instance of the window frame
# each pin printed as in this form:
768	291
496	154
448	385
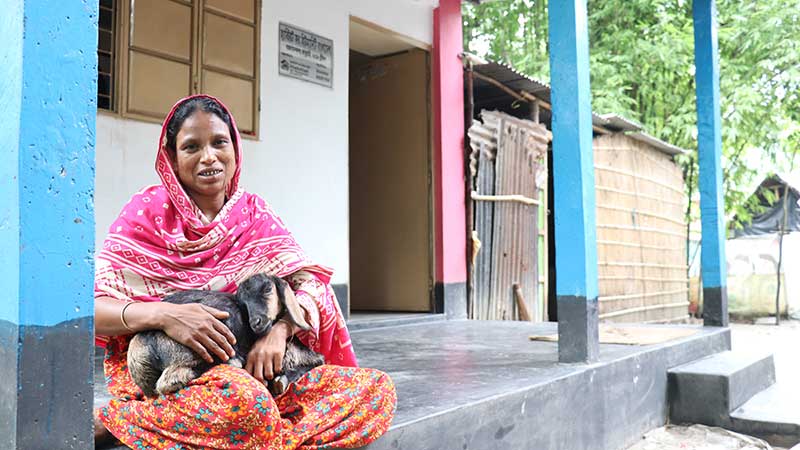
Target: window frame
114	104
121	65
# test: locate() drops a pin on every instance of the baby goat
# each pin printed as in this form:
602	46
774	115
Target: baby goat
160	365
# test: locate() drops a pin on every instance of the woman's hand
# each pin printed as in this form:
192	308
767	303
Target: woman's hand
265	359
199	328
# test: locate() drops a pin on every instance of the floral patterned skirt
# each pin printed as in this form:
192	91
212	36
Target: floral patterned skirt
226	408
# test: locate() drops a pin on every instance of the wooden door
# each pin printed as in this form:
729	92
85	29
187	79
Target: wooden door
390	212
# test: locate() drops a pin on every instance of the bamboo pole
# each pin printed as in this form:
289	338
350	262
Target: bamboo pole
643	213
645	229
649	197
524	315
623	312
505	198
642	295
666	248
627	264
656	279
639	176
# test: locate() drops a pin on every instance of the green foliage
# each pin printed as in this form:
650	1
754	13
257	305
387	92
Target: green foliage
642	67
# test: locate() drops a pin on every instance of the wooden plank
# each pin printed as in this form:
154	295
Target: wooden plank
520	300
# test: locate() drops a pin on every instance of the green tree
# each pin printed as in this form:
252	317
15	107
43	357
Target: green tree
642	67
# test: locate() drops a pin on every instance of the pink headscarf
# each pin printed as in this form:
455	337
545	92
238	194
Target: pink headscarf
159	245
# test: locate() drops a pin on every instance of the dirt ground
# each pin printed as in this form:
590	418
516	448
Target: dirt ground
781	340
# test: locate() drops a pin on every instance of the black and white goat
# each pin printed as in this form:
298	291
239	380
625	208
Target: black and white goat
160	365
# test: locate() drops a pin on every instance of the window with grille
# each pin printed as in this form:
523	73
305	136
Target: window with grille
105	55
173	48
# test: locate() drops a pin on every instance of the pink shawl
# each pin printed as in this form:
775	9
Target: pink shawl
159	245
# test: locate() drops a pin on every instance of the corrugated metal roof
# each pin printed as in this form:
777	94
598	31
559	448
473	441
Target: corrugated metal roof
510	77
658	144
615	122
519	82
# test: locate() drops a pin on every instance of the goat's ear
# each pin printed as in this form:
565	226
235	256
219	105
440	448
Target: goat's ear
293	309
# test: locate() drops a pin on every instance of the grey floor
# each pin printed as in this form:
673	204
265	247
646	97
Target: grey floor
361	316
441	366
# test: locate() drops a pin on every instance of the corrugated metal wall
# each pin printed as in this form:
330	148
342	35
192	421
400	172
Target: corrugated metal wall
509	170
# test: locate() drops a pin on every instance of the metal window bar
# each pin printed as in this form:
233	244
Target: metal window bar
106	58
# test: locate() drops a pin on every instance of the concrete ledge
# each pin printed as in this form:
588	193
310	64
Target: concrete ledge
484	385
368	323
507	393
708	390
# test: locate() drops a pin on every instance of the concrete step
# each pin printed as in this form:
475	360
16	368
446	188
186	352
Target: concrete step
706	391
773	414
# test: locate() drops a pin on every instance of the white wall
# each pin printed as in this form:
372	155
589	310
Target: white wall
299	164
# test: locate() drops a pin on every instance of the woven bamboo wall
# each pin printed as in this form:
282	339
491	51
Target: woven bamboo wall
641	232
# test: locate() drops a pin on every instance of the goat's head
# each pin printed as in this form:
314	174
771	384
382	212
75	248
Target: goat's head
265	300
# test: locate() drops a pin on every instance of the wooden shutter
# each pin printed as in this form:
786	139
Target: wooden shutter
229	55
160	56
174	48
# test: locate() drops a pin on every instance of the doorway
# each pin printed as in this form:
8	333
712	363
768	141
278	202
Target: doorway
391	225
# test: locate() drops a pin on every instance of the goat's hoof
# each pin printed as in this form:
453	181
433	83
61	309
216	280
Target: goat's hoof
235	362
279	385
173	379
170	388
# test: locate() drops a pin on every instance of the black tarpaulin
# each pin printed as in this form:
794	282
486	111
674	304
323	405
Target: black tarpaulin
770	221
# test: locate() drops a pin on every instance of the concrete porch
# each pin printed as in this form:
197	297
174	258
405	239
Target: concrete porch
483	385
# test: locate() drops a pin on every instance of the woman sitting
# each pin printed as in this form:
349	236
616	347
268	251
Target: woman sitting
199	230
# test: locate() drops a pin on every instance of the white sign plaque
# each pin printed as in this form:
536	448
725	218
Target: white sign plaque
304	55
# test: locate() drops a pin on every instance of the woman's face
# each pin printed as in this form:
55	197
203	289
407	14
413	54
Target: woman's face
205	158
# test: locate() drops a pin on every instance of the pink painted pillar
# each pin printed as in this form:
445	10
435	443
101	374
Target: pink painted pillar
448	169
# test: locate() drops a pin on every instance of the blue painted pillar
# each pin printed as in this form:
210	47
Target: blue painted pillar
48	89
573	175
709	143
